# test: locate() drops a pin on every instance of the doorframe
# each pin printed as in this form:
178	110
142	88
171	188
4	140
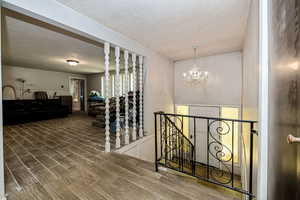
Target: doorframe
2	181
191	133
263	126
85	89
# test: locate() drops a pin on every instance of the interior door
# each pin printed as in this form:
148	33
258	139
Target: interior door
82	104
198	132
76	94
283	102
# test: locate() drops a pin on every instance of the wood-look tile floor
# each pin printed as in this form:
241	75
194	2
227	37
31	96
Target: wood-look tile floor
61	159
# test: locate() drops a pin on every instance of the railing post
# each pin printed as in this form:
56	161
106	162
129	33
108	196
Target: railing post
182	149
126	98
232	153
117	90
251	160
134	96
166	140
107	115
182	145
207	166
155	131
194	160
195	146
141	131
160	132
182	124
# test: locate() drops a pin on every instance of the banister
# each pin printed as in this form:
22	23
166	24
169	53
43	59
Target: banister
203	117
179	130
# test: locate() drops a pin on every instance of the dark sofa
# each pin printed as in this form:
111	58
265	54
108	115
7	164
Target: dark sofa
22	111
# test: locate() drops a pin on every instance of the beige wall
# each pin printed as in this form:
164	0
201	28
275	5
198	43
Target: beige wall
38	80
250	91
158	90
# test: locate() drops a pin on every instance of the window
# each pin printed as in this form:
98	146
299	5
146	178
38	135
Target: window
112	85
124	84
121	91
231	113
183	110
131	81
102	86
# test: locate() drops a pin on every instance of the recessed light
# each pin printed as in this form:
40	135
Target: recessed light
73	62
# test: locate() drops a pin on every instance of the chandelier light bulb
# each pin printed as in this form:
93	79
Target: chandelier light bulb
195	75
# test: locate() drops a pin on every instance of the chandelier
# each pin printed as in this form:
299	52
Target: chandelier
195	75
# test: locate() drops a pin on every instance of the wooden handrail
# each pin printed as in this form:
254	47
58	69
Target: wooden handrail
292	139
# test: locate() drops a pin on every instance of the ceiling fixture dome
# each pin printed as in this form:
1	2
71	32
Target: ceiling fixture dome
195	75
73	62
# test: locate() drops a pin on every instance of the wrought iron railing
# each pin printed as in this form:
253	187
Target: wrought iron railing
177	151
215	150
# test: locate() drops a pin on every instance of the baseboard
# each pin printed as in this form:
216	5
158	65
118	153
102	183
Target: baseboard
133	144
142	149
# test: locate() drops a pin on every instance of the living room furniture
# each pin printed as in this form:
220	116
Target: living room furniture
67	100
9	92
22	111
40	95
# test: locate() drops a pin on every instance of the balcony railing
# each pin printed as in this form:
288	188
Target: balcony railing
216	150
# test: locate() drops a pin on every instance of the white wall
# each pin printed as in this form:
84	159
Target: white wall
250	92
38	80
251	66
223	86
139	149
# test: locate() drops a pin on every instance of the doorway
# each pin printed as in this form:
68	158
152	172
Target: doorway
77	90
197	131
201	131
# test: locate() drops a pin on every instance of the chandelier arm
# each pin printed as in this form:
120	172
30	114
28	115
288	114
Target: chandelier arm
195	75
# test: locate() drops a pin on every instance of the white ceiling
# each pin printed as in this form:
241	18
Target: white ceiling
30	45
172	27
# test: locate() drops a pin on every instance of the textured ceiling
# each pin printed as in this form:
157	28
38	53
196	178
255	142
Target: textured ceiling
172	27
29	45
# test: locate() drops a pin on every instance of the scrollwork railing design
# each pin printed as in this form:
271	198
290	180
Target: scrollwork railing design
219	152
210	154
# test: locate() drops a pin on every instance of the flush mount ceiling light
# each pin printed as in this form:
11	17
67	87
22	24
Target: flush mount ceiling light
195	75
73	62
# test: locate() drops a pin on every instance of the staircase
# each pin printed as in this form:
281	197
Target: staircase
177	150
174	150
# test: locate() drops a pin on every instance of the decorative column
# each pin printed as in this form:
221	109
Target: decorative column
134	96
141	132
117	91
106	62
126	98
